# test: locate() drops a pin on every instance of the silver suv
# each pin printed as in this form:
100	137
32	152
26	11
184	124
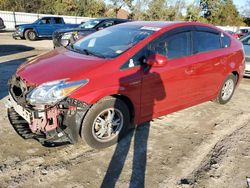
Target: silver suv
246	43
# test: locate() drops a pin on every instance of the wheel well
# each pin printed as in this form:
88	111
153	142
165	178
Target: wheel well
28	29
235	73
129	104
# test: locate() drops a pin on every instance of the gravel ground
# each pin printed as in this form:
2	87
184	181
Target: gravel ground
204	146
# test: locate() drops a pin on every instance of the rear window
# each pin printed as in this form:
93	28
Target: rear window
206	41
58	20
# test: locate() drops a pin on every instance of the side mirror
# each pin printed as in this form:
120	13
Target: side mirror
157	60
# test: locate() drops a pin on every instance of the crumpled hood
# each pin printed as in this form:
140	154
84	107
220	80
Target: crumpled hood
58	64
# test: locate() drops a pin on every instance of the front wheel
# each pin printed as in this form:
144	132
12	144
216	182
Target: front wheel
105	123
30	35
227	89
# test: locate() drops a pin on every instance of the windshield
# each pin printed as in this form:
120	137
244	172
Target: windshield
113	41
89	24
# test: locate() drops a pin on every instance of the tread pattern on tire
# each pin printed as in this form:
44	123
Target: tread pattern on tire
26	34
219	99
86	129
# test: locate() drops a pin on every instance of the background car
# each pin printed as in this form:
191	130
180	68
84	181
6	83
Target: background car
243	32
41	28
246	43
234	34
2	26
63	37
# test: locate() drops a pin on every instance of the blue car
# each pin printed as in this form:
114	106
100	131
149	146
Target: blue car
41	28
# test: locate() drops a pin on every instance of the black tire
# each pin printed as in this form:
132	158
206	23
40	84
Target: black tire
30	35
221	99
88	127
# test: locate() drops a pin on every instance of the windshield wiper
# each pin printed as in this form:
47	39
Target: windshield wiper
85	51
88	52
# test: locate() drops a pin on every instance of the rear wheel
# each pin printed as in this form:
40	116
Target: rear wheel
227	89
30	35
105	123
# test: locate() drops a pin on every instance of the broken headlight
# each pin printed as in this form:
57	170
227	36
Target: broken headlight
67	36
52	92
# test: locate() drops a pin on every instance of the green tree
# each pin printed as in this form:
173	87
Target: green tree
220	12
157	10
20	5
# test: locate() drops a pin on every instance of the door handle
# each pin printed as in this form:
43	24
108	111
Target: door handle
134	83
189	70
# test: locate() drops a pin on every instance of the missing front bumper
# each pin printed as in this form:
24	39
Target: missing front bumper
68	123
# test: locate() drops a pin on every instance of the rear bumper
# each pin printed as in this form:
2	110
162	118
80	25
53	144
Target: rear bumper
247	69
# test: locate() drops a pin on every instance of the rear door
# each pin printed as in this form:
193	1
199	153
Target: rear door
210	58
57	24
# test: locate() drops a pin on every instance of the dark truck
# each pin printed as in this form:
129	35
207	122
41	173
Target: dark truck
41	28
64	37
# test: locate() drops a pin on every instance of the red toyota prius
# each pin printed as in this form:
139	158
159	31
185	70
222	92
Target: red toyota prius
120	77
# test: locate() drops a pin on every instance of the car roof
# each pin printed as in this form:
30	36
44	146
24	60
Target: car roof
158	24
167	24
101	19
51	17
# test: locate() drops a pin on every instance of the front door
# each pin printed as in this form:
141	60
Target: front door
45	27
166	89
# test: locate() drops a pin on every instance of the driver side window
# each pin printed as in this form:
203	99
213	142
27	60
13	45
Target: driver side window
45	21
174	46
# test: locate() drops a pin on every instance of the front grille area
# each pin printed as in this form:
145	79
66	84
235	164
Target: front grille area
247	72
18	89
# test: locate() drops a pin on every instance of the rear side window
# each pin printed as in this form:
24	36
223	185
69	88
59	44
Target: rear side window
226	41
58	20
206	41
106	24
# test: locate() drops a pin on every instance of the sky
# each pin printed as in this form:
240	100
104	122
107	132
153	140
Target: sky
239	4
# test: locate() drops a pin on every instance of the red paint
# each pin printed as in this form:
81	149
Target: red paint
184	82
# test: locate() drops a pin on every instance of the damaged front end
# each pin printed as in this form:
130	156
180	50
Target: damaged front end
52	125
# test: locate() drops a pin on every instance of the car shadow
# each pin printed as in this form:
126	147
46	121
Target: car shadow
140	133
118	160
6	31
8	49
7	69
37	39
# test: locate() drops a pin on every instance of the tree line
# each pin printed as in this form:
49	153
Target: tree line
217	12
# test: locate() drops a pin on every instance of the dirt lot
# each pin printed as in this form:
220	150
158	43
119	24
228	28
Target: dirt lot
203	146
